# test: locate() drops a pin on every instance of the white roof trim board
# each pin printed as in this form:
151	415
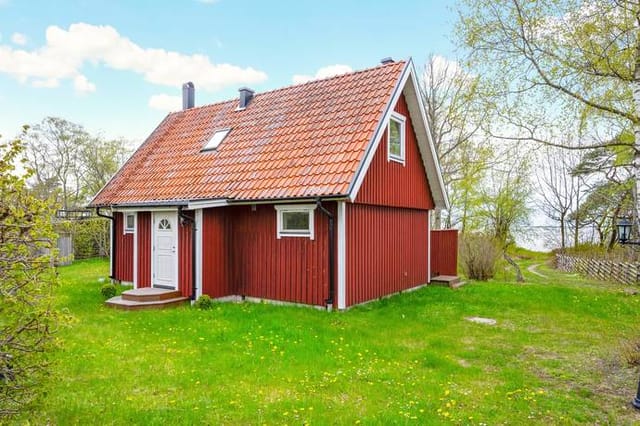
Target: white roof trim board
407	85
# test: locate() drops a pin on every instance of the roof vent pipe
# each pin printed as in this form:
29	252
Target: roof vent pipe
246	95
188	96
387	60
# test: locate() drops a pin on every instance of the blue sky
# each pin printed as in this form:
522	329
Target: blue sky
116	66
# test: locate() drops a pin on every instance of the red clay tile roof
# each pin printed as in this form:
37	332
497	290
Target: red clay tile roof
300	141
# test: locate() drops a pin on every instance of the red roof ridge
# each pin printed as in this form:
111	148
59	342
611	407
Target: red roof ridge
308	83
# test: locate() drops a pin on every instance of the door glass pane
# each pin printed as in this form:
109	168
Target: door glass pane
164	224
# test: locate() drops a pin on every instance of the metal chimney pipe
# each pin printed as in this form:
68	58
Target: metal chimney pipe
246	95
188	96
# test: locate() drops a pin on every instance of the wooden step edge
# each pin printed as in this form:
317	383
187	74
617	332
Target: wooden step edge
151	297
119	303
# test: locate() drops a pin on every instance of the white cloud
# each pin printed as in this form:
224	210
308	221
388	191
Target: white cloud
82	85
165	102
19	39
66	51
324	72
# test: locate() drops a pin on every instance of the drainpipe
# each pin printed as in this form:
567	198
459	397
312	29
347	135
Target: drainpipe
113	240
192	222
332	249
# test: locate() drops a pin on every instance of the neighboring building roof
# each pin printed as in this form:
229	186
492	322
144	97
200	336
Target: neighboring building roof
304	141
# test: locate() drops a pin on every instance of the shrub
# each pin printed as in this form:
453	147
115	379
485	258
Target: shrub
630	352
108	290
478	256
204	302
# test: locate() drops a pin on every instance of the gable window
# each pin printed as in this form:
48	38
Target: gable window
395	138
129	223
295	220
216	139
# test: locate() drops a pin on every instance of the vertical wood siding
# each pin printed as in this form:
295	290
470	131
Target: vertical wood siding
291	269
444	252
185	256
393	184
124	251
216	253
143	234
386	251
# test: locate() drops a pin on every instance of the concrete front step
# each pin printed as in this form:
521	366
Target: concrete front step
451	281
119	303
150	294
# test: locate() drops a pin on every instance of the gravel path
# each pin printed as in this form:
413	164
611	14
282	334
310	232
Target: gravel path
532	269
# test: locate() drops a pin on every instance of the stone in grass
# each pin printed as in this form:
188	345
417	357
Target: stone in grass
480	320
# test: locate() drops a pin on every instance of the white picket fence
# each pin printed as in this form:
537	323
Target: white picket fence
607	270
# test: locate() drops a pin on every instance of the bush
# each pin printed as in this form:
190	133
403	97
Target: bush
630	352
204	302
478	256
108	290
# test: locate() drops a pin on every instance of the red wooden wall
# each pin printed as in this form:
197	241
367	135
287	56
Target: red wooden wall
124	251
444	252
216	281
185	256
393	184
292	269
386	251
143	234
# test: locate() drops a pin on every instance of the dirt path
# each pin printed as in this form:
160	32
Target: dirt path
532	269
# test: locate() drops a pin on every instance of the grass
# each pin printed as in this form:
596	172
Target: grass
554	357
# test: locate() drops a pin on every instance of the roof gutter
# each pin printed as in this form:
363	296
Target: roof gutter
332	253
112	273
192	222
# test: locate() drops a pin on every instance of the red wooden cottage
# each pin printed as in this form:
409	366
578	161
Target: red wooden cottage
317	193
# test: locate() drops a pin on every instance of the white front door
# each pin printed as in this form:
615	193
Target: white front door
165	243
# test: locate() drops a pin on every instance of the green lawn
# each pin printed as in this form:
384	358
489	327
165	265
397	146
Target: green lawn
554	357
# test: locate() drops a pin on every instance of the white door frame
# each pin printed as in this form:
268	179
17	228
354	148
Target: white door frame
174	224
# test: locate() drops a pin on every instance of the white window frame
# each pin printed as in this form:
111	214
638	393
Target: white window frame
295	208
126	229
400	119
216	139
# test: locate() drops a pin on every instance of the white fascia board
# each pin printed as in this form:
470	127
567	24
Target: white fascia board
143	209
423	133
205	204
372	147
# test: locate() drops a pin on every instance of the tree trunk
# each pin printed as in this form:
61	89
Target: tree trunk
562	232
519	277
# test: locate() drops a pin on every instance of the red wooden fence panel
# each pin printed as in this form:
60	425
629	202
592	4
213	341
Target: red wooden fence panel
444	252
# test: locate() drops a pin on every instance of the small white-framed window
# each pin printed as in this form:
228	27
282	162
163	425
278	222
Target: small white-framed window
396	138
129	223
295	220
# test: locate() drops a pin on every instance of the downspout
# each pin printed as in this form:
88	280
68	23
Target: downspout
113	240
332	249
192	222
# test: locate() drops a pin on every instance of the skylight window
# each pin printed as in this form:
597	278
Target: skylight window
216	139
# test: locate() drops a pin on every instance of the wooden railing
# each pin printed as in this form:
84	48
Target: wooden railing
607	270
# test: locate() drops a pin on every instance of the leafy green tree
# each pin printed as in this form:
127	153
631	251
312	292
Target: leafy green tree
454	115
551	65
70	163
27	276
504	208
